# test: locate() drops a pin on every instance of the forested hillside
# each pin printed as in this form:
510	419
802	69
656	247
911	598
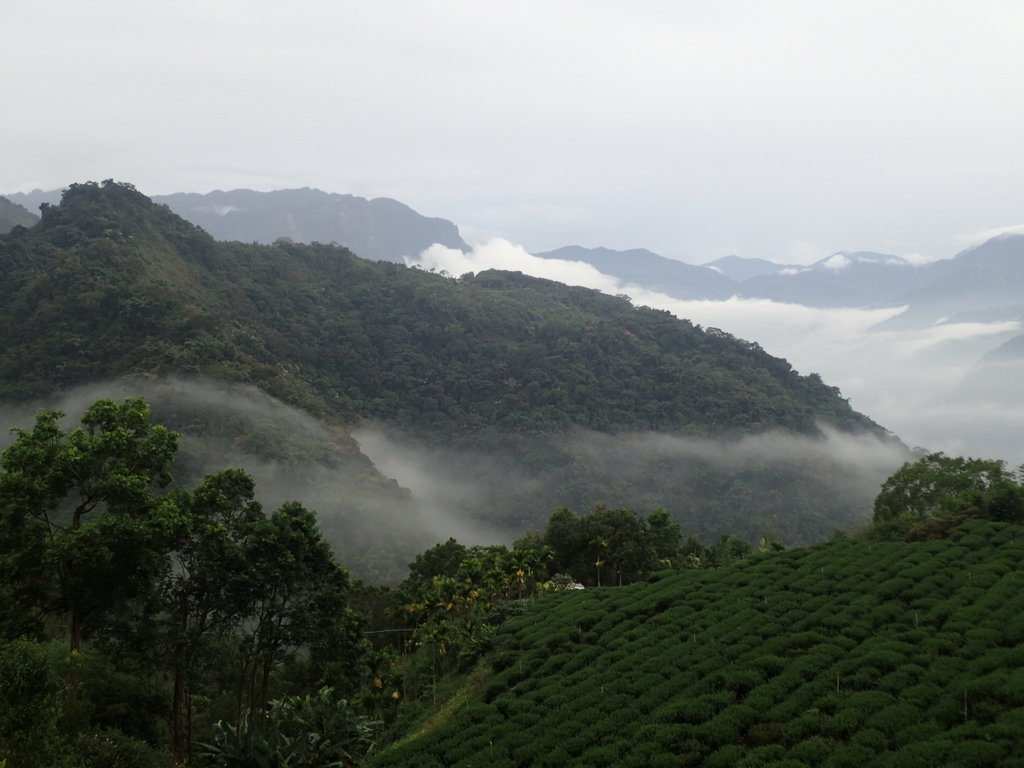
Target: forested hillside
852	653
554	383
110	283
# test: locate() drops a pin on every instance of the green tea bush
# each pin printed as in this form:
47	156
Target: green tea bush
860	655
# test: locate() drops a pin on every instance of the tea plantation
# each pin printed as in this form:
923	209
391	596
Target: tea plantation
851	653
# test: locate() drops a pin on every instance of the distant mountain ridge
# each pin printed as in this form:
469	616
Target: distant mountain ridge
646	268
984	283
843	279
33	200
13	215
380	229
738	268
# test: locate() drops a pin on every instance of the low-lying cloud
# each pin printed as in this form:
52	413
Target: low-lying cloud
970	239
907	380
796	487
383	497
501	254
374	524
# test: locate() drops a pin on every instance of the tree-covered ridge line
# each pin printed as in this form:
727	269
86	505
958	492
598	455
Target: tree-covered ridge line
110	284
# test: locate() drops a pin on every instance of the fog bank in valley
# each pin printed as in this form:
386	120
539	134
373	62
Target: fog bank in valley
798	488
383	497
375	525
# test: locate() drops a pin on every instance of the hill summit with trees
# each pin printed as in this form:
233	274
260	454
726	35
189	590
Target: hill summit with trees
532	394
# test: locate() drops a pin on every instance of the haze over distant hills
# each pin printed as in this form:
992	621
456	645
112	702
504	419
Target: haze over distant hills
33	200
380	229
860	279
14	215
738	268
983	283
931	345
642	267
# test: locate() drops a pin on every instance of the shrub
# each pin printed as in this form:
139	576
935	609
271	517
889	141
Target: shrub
811	751
30	705
112	749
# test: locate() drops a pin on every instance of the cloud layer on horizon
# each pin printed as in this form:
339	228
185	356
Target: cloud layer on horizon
906	380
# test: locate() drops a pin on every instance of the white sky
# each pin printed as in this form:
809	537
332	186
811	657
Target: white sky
786	130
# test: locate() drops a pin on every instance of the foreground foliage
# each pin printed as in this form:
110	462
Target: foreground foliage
176	607
852	653
144	625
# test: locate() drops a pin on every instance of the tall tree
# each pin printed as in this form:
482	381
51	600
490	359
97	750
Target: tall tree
203	597
86	500
952	487
608	546
296	599
666	537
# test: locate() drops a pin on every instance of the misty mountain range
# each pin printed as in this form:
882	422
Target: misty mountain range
961	311
491	399
981	284
380	229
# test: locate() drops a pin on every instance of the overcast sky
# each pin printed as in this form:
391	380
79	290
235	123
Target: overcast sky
785	130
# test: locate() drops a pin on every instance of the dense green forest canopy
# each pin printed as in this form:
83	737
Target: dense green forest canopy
938	491
561	386
109	284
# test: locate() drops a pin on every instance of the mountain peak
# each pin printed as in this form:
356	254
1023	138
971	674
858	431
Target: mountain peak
379	229
118	212
639	266
740	268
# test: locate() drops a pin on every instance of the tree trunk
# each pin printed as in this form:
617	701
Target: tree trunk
76	631
177	702
181	665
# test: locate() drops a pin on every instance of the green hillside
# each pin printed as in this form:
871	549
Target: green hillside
555	389
851	653
109	283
